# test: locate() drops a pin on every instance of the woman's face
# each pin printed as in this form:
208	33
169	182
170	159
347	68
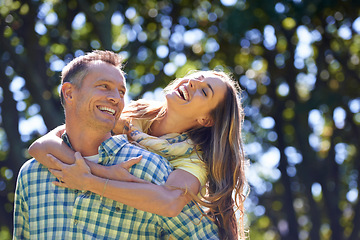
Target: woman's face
196	96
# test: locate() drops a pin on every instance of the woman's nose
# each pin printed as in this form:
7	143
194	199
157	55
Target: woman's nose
192	83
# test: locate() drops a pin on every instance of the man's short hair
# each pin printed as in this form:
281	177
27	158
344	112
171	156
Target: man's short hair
76	70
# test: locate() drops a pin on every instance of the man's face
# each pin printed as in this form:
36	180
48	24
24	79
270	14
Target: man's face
99	102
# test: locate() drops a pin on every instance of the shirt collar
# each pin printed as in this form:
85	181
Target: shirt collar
113	144
66	139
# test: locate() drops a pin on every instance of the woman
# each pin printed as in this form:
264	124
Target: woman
198	129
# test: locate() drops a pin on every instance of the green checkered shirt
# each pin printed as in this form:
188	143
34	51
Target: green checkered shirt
45	211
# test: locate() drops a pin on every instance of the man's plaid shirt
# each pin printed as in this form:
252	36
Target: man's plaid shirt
45	211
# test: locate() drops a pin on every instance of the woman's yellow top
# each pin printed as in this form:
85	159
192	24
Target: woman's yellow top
177	148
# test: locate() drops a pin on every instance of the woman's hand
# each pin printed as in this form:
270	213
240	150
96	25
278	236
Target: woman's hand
120	172
59	131
74	176
78	175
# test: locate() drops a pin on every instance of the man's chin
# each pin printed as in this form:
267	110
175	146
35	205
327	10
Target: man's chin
107	125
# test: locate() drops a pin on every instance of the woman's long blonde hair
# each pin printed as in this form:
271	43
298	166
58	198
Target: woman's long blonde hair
222	151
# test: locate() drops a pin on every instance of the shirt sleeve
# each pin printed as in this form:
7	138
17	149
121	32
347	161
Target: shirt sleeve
192	164
21	213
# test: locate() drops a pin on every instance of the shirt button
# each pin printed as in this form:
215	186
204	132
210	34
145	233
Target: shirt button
117	209
76	222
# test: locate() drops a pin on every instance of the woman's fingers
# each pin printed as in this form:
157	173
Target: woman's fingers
60	184
131	162
79	159
59	130
81	164
72	176
57	173
57	163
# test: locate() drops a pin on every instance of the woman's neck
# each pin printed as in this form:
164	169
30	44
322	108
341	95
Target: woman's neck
167	125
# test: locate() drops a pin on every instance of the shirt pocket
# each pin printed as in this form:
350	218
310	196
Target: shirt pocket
115	207
124	211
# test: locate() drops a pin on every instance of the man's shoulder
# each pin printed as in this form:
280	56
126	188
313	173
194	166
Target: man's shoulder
31	165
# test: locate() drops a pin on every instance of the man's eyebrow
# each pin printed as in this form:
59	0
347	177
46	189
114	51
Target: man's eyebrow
105	80
211	88
109	81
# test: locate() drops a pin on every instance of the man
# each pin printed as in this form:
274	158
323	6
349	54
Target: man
92	93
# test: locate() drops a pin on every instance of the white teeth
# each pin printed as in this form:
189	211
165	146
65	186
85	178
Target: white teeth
184	92
110	110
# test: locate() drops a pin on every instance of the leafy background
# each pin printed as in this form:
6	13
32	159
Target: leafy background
297	62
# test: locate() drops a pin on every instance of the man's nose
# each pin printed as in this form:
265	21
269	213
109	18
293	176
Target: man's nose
114	96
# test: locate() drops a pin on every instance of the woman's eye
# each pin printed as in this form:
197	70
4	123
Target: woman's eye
204	92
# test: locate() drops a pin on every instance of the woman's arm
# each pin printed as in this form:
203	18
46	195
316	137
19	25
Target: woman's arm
53	144
167	200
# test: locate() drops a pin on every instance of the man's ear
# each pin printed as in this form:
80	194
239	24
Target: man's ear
67	90
206	121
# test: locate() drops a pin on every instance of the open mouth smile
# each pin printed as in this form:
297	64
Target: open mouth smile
107	110
183	93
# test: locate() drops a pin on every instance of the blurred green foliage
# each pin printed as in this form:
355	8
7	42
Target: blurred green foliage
297	62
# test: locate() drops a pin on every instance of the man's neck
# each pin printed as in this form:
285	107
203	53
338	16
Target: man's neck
86	142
